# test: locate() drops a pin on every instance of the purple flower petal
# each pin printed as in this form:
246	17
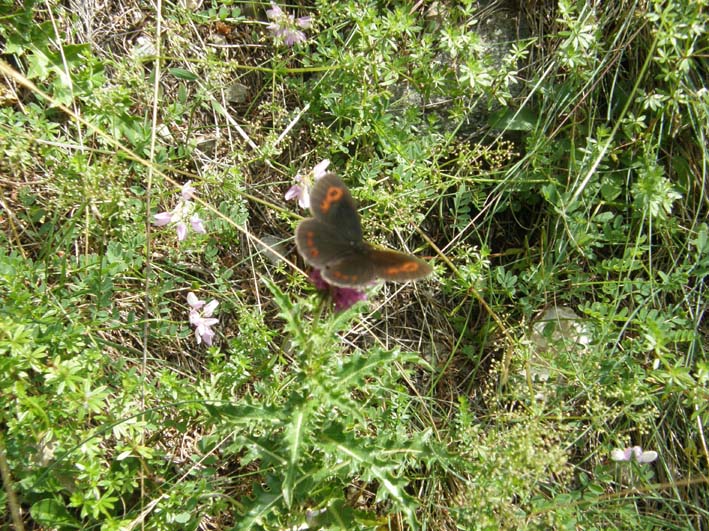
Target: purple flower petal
208	336
304	199
620	455
209	308
318	281
636	452
193	301
284	26
293	36
294	192
202	320
181	231
206	323
301	190
163	218
343	298
320	169
275	11
197	224
647	457
187	191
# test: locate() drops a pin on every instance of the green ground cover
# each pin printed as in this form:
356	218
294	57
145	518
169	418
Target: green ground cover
549	160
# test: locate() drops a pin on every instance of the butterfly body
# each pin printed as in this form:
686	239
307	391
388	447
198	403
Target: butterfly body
332	242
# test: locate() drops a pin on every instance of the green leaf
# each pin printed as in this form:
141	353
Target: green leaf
390	487
289	313
359	368
50	512
294	437
508	119
38	64
244	414
181	73
261	505
182	518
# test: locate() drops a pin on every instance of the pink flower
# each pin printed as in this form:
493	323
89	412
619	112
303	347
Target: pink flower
197	224
284	27
301	190
343	298
275	12
183	213
163	218
194	302
187	192
181	228
320	169
201	318
627	454
292	37
304	22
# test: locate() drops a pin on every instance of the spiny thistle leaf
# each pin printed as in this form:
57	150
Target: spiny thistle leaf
294	438
391	487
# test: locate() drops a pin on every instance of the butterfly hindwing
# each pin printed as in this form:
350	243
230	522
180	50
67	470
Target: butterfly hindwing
396	266
321	243
350	271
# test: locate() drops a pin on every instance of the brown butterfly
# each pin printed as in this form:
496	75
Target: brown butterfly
332	242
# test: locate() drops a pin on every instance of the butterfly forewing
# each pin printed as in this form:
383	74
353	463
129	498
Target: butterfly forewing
331	203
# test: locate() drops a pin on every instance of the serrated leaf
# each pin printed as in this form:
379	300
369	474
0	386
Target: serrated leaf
343	445
338	515
259	508
359	368
288	312
245	413
294	438
38	65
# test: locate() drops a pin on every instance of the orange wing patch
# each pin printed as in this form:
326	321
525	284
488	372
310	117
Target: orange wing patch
334	194
344	278
310	244
406	267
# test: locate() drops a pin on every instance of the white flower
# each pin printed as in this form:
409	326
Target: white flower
197	224
627	454
301	190
202	320
187	192
163	218
285	27
194	302
320	169
183	213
